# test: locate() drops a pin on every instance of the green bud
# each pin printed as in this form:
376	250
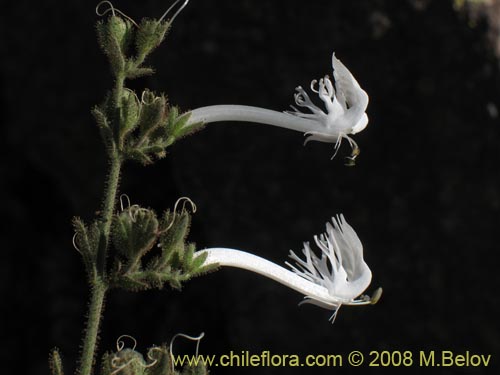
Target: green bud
149	36
199	369
88	241
176	124
172	240
121	30
162	365
128	361
134	234
103	124
129	114
115	36
152	113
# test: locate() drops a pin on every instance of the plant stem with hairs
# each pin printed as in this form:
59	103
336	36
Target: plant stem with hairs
112	246
99	284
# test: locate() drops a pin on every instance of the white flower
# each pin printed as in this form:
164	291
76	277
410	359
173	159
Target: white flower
341	268
337	278
345	103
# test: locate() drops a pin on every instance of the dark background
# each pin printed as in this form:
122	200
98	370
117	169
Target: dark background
424	197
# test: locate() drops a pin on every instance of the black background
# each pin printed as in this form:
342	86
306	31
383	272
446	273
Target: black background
424	197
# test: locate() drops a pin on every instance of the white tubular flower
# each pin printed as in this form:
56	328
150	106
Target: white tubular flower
345	103
336	278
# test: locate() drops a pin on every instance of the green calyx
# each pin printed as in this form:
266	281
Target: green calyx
136	232
89	241
149	36
132	249
159	362
127	45
136	129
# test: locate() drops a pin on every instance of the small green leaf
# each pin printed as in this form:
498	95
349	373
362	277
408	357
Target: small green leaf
106	368
196	264
123	362
137	72
113	35
88	243
55	363
152	149
177	124
134	282
103	124
139	156
122	31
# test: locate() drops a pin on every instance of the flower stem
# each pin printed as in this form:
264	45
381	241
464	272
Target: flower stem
229	112
92	329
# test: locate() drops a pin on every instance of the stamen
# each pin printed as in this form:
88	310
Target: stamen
184	200
192	338
134	211
113	10
176	13
313	82
118	368
334	316
156	98
153	360
110	9
120	344
74	243
337	147
121	201
115	361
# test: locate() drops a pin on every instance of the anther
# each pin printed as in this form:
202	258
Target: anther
376	296
314	82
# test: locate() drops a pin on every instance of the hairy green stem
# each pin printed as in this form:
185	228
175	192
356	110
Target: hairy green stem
110	195
99	284
118	91
92	330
